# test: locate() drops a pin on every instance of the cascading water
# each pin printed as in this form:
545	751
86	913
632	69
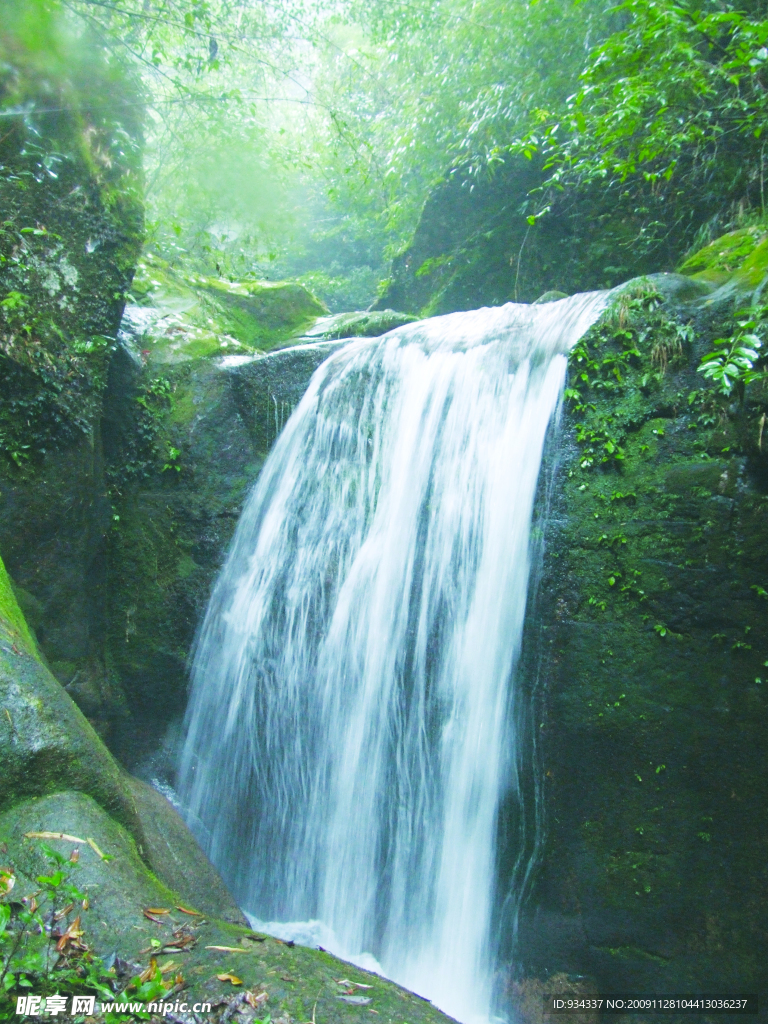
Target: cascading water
351	729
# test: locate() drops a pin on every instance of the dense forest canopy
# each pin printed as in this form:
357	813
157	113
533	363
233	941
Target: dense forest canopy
301	138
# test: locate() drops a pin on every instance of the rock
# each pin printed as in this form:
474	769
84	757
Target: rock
171	851
371	324
118	889
185	316
653	719
290	979
174	525
73	229
674	288
45	741
735	266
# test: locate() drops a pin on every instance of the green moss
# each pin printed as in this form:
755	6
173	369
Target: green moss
736	263
725	254
201	317
12	614
656	711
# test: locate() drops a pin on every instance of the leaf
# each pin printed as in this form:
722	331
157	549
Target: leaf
355	1000
97	851
233	978
229	949
55	835
192	913
256	999
157	910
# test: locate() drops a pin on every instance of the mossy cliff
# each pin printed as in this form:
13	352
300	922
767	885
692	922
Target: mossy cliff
651	623
70	236
184	443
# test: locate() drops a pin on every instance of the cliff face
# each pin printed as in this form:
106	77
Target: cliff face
651	623
71	234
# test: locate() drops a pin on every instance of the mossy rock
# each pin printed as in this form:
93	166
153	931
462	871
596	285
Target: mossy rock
171	851
46	743
735	264
359	325
11	614
652	626
299	982
189	316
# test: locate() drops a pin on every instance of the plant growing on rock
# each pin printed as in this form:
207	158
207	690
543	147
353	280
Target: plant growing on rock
42	949
737	361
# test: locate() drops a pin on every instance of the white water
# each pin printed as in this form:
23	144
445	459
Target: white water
351	729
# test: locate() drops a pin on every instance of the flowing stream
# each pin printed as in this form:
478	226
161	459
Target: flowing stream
352	724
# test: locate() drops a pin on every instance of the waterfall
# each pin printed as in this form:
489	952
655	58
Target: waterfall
352	722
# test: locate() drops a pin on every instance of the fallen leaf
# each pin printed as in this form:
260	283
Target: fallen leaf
148	972
149	916
355	1000
96	850
255	999
86	903
230	977
74	857
54	835
229	949
64	912
73	932
193	913
157	910
167	967
181	941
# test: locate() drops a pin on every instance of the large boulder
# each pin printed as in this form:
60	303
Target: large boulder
132	917
70	177
185	315
46	743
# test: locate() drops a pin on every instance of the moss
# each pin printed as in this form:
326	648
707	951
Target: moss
201	317
299	982
12	614
736	263
655	717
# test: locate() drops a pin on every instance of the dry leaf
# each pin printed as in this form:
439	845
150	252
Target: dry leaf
64	912
148	972
54	835
149	917
157	910
74	857
193	913
94	847
230	977
73	932
228	949
255	999
86	903
167	967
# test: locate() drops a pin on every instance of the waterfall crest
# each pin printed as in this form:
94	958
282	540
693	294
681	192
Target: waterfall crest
351	728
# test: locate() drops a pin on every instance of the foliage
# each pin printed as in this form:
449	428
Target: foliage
41	938
600	363
737	361
43	949
669	117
